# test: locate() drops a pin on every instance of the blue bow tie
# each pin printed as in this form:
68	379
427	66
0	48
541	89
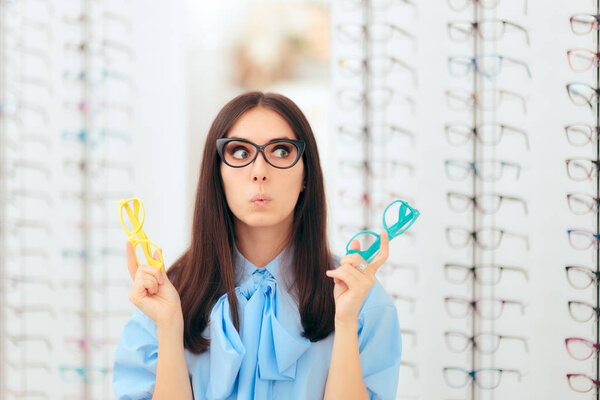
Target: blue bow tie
267	350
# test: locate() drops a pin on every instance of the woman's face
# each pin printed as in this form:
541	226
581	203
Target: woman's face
282	186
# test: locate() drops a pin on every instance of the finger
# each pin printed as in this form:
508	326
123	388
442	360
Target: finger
131	263
153	271
364	279
163	269
355	245
145	282
353	259
382	256
345	276
156	256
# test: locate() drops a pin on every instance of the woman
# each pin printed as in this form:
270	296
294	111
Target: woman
305	325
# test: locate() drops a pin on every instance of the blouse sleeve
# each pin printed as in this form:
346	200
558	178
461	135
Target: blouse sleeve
134	369
380	348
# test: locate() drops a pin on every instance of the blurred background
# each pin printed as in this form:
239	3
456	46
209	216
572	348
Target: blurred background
482	114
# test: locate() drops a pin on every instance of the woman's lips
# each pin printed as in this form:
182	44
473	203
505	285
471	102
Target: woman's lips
261	203
260	200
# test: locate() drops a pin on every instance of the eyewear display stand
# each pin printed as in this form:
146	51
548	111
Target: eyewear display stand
372	51
3	196
66	95
583	94
597	248
481	376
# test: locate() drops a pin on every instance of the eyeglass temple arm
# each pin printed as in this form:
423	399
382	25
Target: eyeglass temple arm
519	338
518	62
521	27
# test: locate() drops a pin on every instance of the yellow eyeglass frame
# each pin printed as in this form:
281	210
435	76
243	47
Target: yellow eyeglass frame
142	238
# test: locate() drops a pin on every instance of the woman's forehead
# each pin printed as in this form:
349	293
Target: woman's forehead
261	125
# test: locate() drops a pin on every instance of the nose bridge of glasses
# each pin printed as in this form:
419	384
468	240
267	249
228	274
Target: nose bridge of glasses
264	161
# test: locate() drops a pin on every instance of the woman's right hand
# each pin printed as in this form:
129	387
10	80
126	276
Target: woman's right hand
153	293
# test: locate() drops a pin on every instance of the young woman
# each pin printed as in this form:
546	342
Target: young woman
304	324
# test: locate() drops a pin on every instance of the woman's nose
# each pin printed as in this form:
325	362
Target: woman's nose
259	169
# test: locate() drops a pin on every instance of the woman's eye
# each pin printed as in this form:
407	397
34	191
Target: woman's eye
240	153
281	151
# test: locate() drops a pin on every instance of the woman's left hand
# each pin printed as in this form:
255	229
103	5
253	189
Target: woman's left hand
351	284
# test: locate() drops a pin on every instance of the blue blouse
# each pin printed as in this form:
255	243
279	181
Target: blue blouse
269	359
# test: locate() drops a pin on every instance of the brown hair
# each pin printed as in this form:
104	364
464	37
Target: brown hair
205	271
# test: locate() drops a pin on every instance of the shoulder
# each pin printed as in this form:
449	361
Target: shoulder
377	298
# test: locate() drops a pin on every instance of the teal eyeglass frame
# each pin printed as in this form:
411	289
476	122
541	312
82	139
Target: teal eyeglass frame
405	220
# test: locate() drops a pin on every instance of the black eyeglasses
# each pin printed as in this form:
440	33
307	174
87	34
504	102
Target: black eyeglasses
279	153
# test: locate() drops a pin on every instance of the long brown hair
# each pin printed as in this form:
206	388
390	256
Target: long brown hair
205	271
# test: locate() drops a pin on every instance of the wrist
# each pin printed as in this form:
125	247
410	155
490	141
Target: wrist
171	328
346	325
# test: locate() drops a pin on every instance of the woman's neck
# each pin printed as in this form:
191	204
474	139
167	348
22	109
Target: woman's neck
260	245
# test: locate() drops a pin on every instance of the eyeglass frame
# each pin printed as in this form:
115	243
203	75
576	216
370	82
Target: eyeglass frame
595	382
594	347
473	202
474	132
472	375
570	129
594	310
138	231
572	91
475	27
299	144
473	308
577	196
473	62
472	341
593	275
404	222
472	272
474	237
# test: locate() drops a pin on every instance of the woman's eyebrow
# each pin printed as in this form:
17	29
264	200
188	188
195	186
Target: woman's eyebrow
270	140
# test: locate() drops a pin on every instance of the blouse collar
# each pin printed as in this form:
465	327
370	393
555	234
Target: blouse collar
244	268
